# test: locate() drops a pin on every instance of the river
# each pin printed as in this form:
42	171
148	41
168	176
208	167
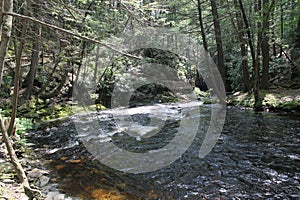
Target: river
257	156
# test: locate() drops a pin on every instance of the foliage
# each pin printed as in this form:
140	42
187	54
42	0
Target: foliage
118	75
22	124
63	57
287	100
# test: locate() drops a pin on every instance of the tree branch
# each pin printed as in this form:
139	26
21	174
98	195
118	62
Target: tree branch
70	33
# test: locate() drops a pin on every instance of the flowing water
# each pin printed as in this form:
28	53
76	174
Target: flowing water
257	156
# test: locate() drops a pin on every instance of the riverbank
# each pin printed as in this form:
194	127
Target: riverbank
275	100
38	174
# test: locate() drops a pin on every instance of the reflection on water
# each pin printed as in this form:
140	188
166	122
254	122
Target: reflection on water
256	157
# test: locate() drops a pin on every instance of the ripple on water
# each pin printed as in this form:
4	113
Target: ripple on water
256	157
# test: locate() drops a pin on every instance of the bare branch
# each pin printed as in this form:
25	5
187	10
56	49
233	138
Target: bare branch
70	33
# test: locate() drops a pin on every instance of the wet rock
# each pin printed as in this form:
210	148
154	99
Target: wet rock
8	181
44	180
59	197
50	187
51	195
36	173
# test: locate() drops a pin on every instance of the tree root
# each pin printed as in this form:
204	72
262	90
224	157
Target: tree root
30	192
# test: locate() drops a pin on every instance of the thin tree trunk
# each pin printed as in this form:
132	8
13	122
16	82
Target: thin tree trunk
96	63
250	42
17	76
295	54
265	47
83	46
34	62
82	53
244	54
273	35
218	36
281	25
34	55
6	27
31	193
257	101
202	26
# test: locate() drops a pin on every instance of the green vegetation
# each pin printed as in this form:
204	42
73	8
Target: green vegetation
274	100
51	49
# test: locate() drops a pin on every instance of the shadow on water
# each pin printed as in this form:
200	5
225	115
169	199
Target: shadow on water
256	157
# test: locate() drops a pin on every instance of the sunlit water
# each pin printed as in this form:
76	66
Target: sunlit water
256	157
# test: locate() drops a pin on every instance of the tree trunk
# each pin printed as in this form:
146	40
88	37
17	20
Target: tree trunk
244	54
295	54
34	54
31	193
17	77
281	25
250	42
83	45
273	35
257	100
218	36
202	26
6	27
265	47
96	64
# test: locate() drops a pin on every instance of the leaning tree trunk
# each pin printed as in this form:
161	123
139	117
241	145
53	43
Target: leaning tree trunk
5	27
31	193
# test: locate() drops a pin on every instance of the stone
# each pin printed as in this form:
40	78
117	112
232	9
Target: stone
59	197
8	181
44	180
36	173
51	195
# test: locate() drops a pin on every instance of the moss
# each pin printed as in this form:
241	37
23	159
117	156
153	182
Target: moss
277	100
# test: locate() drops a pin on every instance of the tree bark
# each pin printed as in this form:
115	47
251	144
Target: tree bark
202	26
257	100
218	37
31	193
295	56
265	47
34	54
17	77
6	28
244	54
96	64
250	41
